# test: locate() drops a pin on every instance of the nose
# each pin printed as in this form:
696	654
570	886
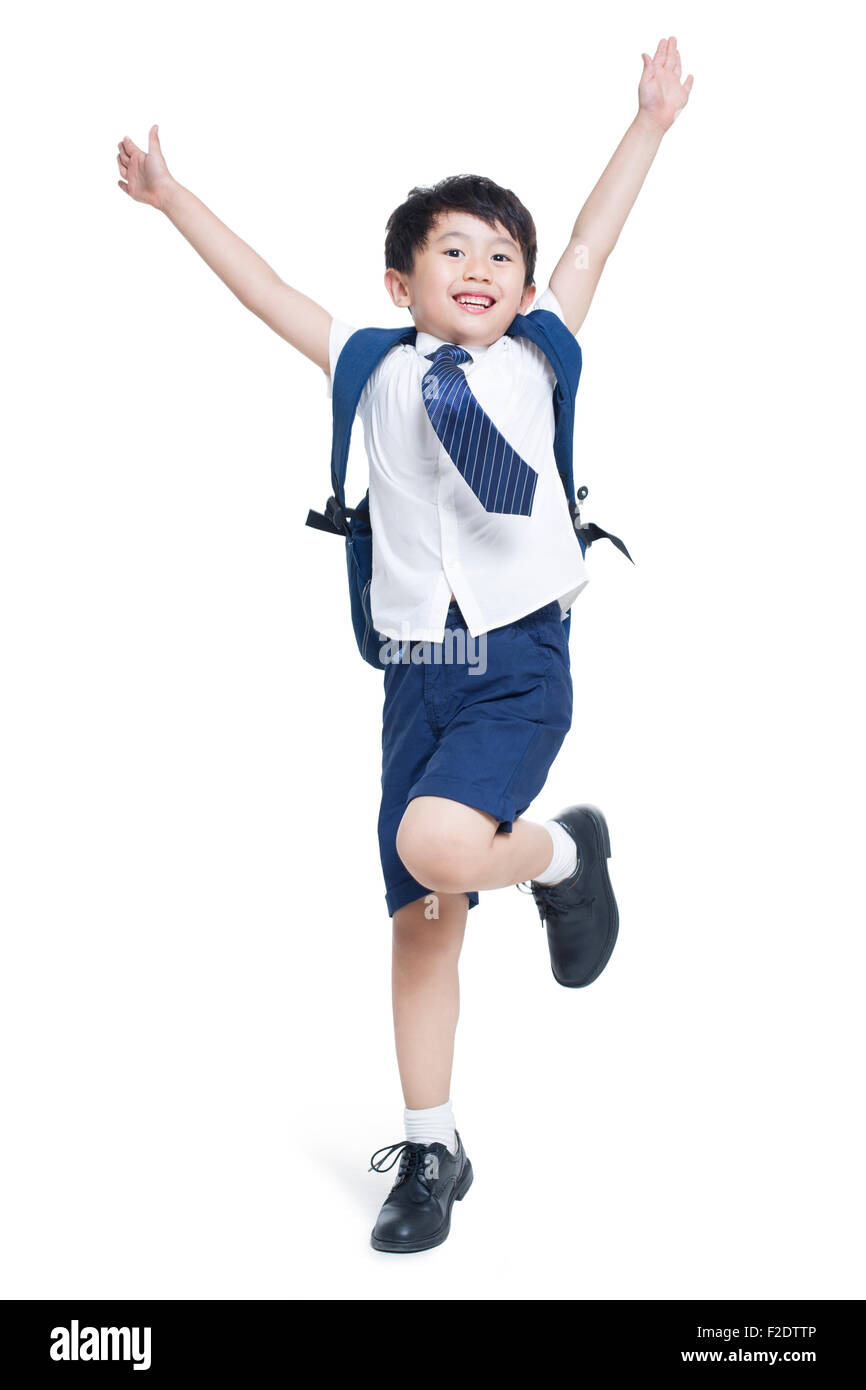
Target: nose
476	269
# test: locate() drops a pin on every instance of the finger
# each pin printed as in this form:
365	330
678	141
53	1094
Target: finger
123	186
687	85
153	138
658	56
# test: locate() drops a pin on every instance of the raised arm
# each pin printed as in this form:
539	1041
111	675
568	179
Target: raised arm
301	321
661	97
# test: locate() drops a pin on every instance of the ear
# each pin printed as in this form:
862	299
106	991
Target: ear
527	299
398	289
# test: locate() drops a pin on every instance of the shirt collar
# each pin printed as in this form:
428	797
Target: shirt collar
425	342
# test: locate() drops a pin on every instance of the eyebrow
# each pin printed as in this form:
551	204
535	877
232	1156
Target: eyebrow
499	240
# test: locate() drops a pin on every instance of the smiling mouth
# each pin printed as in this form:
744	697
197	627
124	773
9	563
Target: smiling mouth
474	303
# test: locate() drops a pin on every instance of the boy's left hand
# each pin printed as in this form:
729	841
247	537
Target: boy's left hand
661	95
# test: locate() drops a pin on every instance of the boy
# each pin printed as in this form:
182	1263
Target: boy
472	536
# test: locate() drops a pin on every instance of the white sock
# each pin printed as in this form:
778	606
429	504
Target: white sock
564	861
432	1126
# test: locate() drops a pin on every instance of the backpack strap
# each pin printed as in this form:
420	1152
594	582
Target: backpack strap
359	358
562	350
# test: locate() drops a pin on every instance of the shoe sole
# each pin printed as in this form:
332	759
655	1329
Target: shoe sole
393	1247
602	837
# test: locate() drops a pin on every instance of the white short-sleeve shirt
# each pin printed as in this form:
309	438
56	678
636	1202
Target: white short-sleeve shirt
431	534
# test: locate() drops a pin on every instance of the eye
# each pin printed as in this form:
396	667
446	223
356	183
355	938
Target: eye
455	250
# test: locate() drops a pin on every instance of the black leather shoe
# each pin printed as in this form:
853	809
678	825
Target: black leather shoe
416	1214
580	912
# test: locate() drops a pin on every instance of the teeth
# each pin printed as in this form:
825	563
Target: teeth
467	299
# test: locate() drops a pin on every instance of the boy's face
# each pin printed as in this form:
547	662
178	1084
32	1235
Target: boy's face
464	258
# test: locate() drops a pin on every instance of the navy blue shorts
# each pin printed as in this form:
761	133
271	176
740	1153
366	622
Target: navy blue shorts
483	729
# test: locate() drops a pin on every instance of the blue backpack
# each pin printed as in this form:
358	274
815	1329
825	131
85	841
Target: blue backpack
360	356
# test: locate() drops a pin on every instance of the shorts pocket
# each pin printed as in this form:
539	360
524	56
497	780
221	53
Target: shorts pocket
549	634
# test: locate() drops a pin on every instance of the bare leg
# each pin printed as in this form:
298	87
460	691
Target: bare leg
455	848
426	995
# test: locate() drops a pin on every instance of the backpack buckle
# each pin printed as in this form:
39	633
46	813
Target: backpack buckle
582	492
336	514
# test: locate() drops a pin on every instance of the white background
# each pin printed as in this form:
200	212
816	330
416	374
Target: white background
196	1030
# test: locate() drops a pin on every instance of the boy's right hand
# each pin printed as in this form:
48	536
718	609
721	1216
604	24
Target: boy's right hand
296	317
147	176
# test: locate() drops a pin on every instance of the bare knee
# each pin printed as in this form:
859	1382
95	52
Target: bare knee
437	859
437	851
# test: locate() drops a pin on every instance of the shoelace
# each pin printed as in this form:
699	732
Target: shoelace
545	897
410	1153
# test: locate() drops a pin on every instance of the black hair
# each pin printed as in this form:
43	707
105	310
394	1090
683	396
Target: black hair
409	225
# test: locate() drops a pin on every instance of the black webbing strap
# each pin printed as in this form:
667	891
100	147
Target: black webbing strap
333	519
589	532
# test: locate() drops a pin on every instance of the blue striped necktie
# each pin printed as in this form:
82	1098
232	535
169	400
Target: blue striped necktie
501	480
